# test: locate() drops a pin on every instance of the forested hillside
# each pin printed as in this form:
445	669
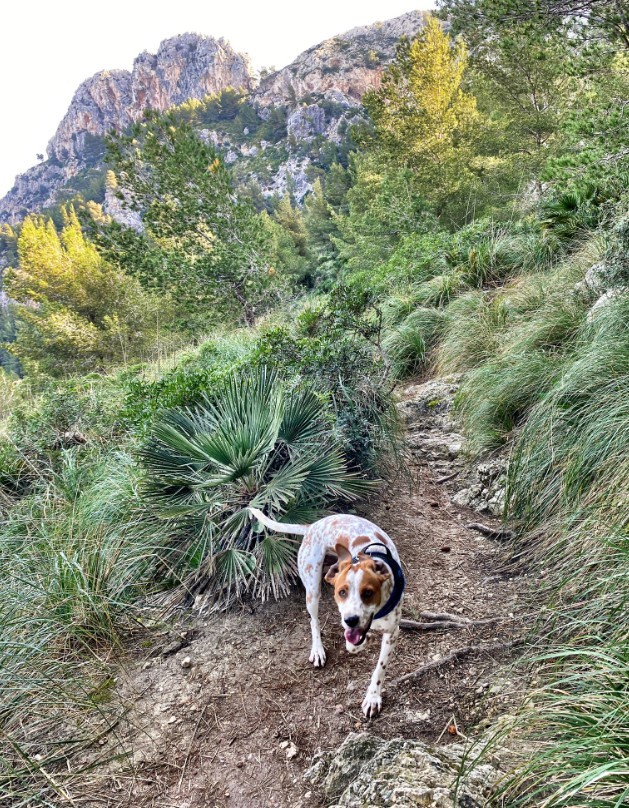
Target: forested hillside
199	346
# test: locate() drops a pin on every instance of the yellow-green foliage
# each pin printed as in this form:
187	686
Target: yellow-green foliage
73	311
425	120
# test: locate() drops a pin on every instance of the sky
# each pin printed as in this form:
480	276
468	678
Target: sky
47	49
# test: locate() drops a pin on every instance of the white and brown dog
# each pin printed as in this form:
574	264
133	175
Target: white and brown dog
368	586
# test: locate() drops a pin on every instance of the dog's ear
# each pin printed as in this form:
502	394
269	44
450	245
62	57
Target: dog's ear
379	567
332	573
344	555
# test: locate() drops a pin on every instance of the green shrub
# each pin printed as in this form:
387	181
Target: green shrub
90	405
194	376
587	416
336	346
254	443
514	344
571	213
438	291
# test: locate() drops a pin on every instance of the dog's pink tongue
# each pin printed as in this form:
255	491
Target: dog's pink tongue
353	635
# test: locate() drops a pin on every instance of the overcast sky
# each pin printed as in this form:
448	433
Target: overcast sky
47	49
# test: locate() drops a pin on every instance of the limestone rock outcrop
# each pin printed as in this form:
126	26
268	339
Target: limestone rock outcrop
184	67
350	63
367	770
320	92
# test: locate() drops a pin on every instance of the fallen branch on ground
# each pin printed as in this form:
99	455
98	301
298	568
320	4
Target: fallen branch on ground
445	620
414	625
490	532
458	653
438	620
449	476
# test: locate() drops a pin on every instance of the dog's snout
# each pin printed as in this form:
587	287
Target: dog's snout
352	622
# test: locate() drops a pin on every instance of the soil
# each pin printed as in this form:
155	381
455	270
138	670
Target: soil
233	718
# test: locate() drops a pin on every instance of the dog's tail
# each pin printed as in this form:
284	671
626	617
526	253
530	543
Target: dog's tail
279	527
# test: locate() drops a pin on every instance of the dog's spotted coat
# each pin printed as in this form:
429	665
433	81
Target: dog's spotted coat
360	589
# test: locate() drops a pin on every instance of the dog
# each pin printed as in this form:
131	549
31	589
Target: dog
368	586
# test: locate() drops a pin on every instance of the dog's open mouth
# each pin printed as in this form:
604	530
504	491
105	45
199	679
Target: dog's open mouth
357	636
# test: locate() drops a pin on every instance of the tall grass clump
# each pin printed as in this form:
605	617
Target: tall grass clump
409	344
474	323
76	554
513	346
53	704
80	546
8	394
569	492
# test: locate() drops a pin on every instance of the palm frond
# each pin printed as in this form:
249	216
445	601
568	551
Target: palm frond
327	475
277	566
301	422
254	443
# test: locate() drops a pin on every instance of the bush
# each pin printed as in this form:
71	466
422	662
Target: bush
256	443
43	420
194	375
336	346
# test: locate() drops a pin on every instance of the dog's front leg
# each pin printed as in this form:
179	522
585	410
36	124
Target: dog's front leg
372	703
317	652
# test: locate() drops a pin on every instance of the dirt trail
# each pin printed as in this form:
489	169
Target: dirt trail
238	726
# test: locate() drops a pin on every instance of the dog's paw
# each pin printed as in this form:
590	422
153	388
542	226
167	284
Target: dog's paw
372	704
317	656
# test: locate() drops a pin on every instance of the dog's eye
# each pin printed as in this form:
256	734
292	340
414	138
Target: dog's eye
368	594
342	593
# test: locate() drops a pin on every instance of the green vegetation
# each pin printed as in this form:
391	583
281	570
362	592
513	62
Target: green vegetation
72	311
254	443
199	242
239	349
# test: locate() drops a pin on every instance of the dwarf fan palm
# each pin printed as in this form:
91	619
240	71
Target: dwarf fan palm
254	443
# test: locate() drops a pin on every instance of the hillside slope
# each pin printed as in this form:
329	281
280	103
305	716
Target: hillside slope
225	710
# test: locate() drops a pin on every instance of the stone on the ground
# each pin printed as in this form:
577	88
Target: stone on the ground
371	771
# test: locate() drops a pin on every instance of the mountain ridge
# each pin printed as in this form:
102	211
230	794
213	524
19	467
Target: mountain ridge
193	66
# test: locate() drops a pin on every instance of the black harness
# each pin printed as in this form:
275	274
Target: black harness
399	582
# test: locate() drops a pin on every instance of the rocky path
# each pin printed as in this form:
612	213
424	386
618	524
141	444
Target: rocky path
234	717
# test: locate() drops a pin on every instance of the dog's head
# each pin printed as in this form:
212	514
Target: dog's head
360	589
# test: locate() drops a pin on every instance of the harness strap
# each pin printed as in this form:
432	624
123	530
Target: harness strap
399	582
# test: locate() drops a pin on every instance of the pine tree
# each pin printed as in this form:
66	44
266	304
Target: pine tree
72	311
423	118
209	247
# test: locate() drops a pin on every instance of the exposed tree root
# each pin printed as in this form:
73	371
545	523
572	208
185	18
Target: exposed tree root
445	620
490	532
458	653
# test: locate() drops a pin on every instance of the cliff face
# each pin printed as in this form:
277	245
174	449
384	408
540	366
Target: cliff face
99	104
332	75
184	67
350	63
